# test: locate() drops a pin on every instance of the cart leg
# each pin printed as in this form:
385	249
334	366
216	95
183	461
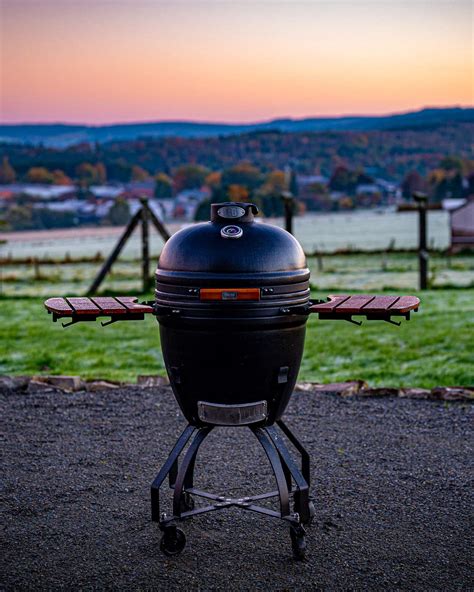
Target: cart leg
274	458
301	495
165	469
186	469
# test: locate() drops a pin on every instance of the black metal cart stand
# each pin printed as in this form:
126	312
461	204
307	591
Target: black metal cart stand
292	484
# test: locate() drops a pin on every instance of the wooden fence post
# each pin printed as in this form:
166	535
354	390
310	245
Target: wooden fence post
423	255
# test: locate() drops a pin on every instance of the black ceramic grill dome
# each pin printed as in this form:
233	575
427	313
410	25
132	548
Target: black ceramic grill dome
222	288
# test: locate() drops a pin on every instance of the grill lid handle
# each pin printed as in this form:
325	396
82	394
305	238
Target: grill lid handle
233	211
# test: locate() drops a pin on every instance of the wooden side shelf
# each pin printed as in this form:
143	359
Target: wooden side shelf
123	308
371	306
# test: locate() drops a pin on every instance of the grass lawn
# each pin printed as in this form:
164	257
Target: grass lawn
435	349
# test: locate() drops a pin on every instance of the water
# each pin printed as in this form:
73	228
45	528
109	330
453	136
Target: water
368	230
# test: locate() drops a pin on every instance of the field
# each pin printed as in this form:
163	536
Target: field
436	348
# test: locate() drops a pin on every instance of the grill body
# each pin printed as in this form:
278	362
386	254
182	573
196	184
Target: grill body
231	353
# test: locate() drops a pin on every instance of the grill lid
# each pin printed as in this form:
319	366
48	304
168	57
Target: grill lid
232	246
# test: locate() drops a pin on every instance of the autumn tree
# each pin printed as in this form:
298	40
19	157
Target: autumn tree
139	174
213	180
90	174
59	177
189	176
19	217
163	186
119	213
412	182
275	184
86	174
244	174
237	193
7	172
101	173
39	175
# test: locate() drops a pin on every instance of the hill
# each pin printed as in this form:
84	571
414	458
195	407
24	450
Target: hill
63	135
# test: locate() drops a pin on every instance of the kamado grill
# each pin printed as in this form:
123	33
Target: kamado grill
232	299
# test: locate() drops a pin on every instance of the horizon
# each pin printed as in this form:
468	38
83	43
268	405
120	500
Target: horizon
101	62
236	123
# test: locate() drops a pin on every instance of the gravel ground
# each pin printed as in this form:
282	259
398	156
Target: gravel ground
391	481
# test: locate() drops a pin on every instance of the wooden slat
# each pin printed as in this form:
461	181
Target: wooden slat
354	304
109	305
83	306
405	304
380	304
130	302
59	306
331	304
366	304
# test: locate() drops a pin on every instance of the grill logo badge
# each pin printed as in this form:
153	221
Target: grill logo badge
231	212
231	231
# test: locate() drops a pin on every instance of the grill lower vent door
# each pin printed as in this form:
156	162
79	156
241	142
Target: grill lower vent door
232	415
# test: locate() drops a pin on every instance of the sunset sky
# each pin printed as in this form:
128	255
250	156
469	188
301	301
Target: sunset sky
92	61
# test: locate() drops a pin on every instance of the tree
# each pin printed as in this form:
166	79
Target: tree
275	184
60	178
139	174
213	180
119	213
39	175
243	174
101	173
86	174
412	182
451	164
343	179
237	193
163	186
189	176
19	218
7	172
90	174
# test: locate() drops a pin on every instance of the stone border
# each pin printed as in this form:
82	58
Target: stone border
355	388
359	388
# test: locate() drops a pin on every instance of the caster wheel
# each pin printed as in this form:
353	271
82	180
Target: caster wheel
312	513
186	503
298	542
173	541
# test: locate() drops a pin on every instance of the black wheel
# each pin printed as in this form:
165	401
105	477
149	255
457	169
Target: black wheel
173	541
186	503
312	513
298	542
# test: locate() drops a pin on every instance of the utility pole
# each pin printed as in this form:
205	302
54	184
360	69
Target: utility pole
422	201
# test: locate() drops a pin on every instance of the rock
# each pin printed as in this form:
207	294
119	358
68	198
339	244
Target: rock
452	393
414	393
15	383
343	389
148	381
101	385
65	383
39	386
305	386
378	392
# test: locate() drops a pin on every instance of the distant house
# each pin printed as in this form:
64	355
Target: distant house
304	180
137	189
106	191
462	226
38	191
